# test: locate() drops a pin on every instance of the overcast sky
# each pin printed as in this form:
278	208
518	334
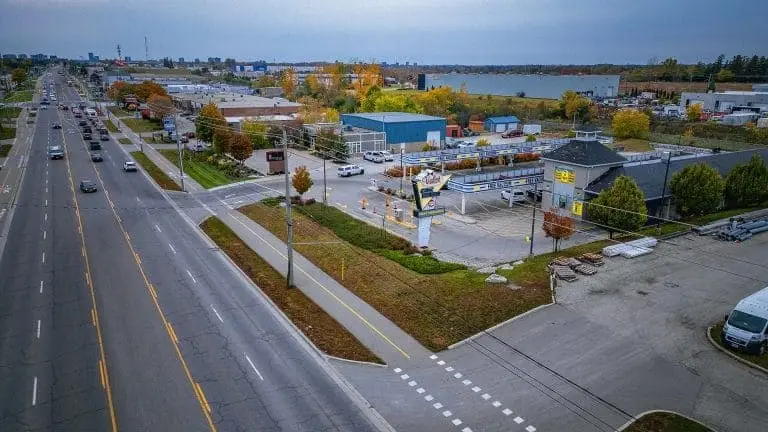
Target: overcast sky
424	31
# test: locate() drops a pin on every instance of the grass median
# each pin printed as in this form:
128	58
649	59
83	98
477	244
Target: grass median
155	172
436	309
324	331
111	126
140	125
665	422
714	332
19	96
7	133
204	173
5	149
125	141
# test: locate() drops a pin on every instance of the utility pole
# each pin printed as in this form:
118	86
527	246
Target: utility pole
288	220
325	186
178	145
533	217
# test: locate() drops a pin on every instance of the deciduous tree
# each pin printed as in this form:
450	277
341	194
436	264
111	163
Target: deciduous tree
301	180
288	82
160	106
264	81
18	76
693	112
620	207
147	88
747	184
573	104
697	189
221	140
482	142
559	227
255	132
389	102
240	147
368	75
209	120
118	90
630	123
334	145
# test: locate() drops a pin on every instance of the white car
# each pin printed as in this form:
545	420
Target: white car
389	157
349	170
374	156
517	195
129	166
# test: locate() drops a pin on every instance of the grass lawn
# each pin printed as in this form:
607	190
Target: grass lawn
666	228
702	142
155	172
665	422
7	133
125	141
9	112
474	97
5	149
119	112
760	361
723	214
436	309
19	96
633	145
140	125
111	126
324	331
206	174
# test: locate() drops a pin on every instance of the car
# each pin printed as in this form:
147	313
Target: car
129	166
56	126
104	137
78	115
43	107
349	170
87	129
86	136
388	157
183	139
82	123
96	157
373	156
94	145
516	194
55	152
87	186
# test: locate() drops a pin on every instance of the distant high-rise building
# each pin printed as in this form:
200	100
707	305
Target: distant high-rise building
91	57
407	64
96	59
39	57
22	56
127	58
181	59
197	61
415	64
9	56
53	57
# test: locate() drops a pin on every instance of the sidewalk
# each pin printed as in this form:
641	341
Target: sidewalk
373	329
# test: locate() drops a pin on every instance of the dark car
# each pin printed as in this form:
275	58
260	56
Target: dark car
87	129
86	136
56	126
82	123
96	157
87	186
104	137
94	145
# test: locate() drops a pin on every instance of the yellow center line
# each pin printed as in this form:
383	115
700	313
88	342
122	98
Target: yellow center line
329	292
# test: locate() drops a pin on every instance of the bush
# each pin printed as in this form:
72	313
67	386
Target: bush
420	264
526	157
398	172
530	138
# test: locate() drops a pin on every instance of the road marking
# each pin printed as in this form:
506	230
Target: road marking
447	413
429	398
437	405
21	161
456	422
38	329
45	234
466	429
496	404
530	428
476	389
46	217
191	277
466	382
486	396
202	395
34	392
433	357
412	383
397	370
41	287
172	249
138	199
458	375
217	314
46	203
254	367
46	189
404	377
158	228
43	260
152	291
172	332
420	390
449	369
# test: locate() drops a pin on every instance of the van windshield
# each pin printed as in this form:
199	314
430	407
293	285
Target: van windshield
747	322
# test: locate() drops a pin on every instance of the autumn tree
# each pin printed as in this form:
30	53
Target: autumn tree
389	102
559	227
747	184
368	103
288	82
147	88
483	142
301	180
221	140
620	207
118	90
312	85
693	112
209	120
697	189
368	75
161	106
332	115
240	147
332	145
256	133
264	81
630	123
19	76
573	104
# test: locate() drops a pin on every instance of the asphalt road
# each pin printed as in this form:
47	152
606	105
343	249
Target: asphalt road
185	342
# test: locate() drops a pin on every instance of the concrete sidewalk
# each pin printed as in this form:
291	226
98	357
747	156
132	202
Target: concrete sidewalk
373	329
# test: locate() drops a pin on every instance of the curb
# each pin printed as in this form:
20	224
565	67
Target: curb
357	362
488	330
637	417
739	359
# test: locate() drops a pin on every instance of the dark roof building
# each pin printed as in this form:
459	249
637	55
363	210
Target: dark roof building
586	153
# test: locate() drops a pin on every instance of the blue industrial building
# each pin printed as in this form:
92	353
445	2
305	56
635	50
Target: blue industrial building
501	124
399	128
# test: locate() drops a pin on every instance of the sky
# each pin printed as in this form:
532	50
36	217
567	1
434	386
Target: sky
422	31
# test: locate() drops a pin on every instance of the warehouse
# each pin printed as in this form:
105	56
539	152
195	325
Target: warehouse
501	124
399	128
533	86
725	101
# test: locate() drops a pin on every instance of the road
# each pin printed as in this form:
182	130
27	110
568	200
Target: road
184	341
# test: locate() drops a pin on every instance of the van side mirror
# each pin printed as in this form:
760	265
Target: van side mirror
726	318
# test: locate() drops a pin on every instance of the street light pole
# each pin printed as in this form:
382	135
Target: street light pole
533	217
288	219
667	157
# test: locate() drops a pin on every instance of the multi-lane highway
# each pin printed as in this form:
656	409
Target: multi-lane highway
116	314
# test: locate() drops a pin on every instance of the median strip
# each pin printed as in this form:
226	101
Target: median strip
160	177
319	327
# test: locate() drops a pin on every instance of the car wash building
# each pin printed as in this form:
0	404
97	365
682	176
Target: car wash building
413	130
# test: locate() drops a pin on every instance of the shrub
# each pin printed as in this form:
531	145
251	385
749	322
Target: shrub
398	172
530	138
526	157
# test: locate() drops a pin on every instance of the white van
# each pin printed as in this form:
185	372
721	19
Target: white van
746	327
374	156
90	112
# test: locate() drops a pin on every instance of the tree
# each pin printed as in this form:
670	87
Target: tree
301	180
161	106
209	120
264	81
620	207
331	115
573	104
747	184
630	123
482	142
558	227
147	88
724	76
333	145
368	75
288	82
530	138
118	90
697	189
693	112
388	102
240	147
221	140
368	103
255	132
19	76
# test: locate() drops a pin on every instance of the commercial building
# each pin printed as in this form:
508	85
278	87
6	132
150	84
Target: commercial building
725	102
399	128
269	92
535	86
236	107
501	124
249	69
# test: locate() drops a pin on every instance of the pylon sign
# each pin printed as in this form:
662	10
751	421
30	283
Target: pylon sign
426	189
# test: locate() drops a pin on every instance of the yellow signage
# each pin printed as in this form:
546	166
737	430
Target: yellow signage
432	182
577	208
565	176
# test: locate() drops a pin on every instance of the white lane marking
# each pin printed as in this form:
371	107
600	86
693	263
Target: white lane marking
191	277
447	413
404	377
466	429
476	389
217	314
517	420
43	259
420	390
486	396
158	228
412	383
46	203
429	398
46	216
45	234
21	161
449	369
466	382
458	375
228	196
433	357
441	363
397	370
253	367
38	329
34	392
138	199
41	287
530	428
437	405
456	422
496	404
172	249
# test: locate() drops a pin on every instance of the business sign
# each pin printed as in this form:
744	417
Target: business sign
428	213
577	208
564	175
426	188
275	156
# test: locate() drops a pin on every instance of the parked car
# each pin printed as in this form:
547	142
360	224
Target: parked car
374	156
96	157
129	166
183	139
349	170
516	194
388	157
87	186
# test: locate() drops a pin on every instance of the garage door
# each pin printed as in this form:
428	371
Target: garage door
501	127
